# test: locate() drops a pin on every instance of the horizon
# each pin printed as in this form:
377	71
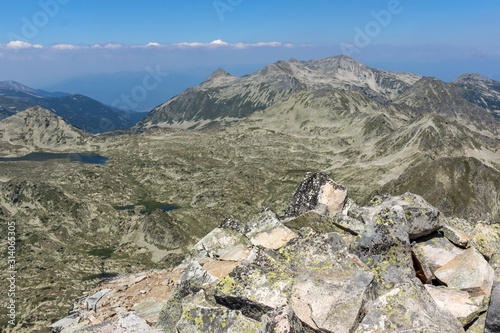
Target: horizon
45	42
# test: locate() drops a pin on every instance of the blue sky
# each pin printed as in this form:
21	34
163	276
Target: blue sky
49	40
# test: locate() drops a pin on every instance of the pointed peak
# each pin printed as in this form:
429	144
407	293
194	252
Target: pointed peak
219	73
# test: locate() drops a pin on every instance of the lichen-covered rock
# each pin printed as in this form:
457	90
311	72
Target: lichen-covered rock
325	285
192	281
478	325
458	224
385	249
340	223
469	271
216	320
456	302
282	320
318	193
407	307
267	230
422	218
492	324
486	239
457	237
216	241
435	253
234	225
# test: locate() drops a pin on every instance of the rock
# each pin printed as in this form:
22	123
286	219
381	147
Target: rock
191	282
217	240
340	223
458	224
435	253
385	249
407	308
283	320
478	325
422	217
492	324
455	236
92	300
216	320
455	302
67	321
267	230
234	225
422	270
469	271
325	285
318	193
486	239
126	323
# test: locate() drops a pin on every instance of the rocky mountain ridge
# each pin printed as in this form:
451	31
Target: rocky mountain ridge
78	110
223	97
481	91
328	265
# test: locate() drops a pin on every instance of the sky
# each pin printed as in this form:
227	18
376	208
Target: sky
46	41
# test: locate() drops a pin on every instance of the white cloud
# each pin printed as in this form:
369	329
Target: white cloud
65	47
17	44
38	46
219	42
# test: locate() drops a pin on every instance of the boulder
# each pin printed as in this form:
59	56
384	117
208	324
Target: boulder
324	284
457	224
216	320
340	223
486	239
457	237
126	323
455	302
422	218
218	240
407	307
385	249
282	320
478	325
469	271
267	230
318	193
492	324
435	253
191	282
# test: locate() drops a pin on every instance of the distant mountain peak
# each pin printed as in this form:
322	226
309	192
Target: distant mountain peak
219	73
471	77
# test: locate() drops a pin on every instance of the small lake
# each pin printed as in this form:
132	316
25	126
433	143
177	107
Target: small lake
89	158
150	206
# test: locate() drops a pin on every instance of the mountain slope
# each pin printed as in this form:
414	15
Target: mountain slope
480	91
223	97
78	110
38	128
430	95
10	88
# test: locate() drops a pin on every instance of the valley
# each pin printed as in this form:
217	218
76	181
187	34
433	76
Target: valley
372	131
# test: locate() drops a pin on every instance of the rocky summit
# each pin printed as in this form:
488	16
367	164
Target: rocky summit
327	265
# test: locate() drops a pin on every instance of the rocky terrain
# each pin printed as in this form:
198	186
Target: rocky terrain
327	265
78	223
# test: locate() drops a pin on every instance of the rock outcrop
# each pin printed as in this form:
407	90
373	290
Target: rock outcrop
396	265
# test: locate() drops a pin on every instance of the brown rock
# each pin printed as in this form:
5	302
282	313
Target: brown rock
457	237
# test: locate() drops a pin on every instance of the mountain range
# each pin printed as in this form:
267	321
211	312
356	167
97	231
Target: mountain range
250	141
78	110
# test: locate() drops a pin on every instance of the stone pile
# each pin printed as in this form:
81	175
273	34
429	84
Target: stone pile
327	265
